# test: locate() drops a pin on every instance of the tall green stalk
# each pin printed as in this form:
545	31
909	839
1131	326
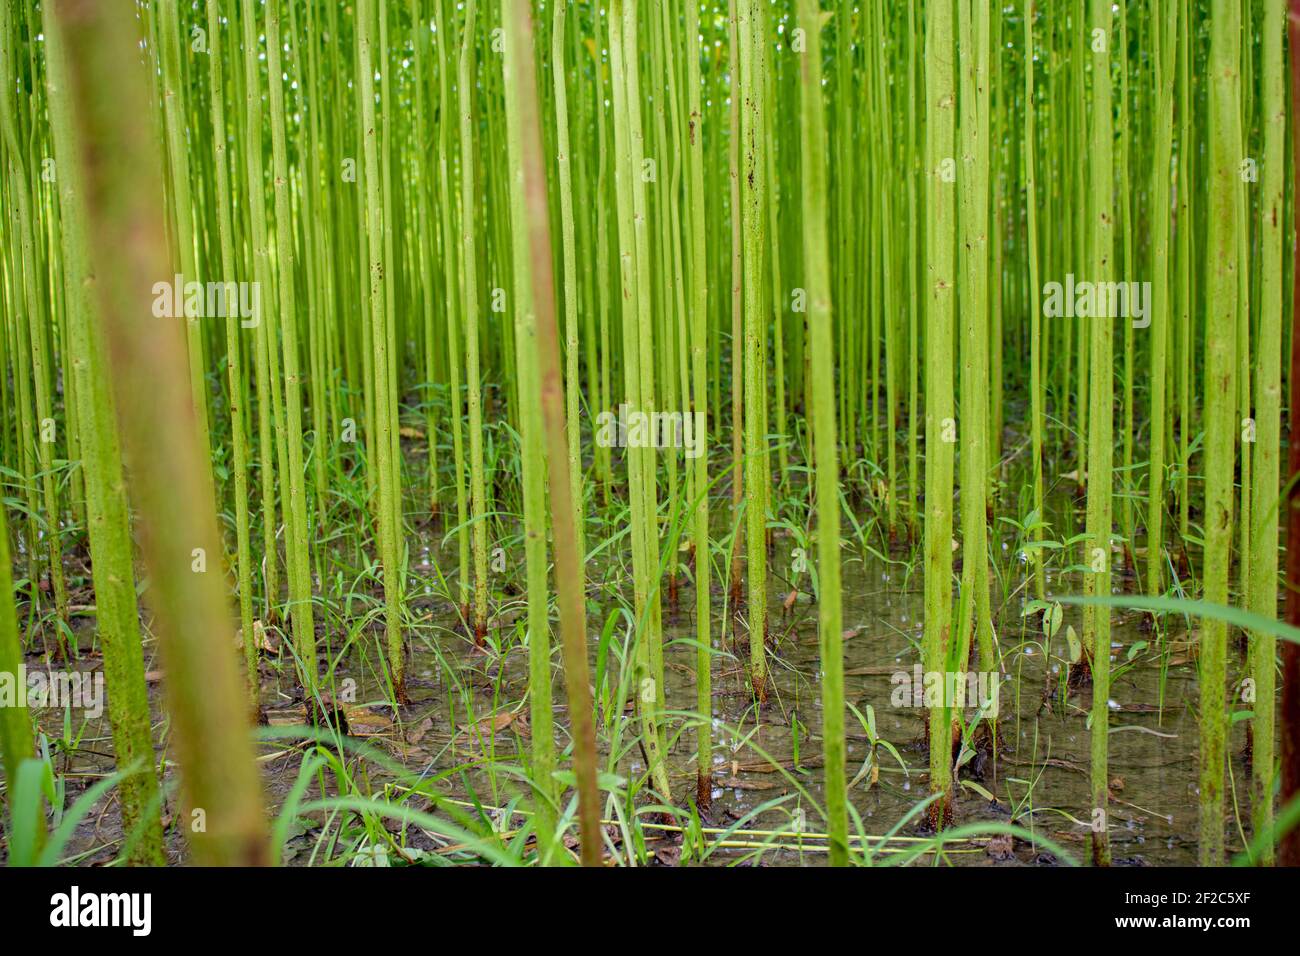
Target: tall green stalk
384	421
752	186
638	386
234	364
700	407
1163	36
177	152
825	437
16	744
32	322
118	165
540	361
1261	597
1096	622
569	255
454	353
116	613
297	549
1035	309
267	461
1220	397
469	299
531	438
973	55
940	421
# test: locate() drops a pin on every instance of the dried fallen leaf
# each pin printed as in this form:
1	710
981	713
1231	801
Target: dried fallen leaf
493	723
267	640
263	638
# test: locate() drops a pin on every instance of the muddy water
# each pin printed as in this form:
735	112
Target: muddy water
1038	779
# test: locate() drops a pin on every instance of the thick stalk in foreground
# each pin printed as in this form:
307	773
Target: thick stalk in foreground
517	70
825	437
128	254
1261	595
522	108
941	247
116	613
1220	394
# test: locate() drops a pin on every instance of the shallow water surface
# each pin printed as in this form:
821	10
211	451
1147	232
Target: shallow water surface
767	763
